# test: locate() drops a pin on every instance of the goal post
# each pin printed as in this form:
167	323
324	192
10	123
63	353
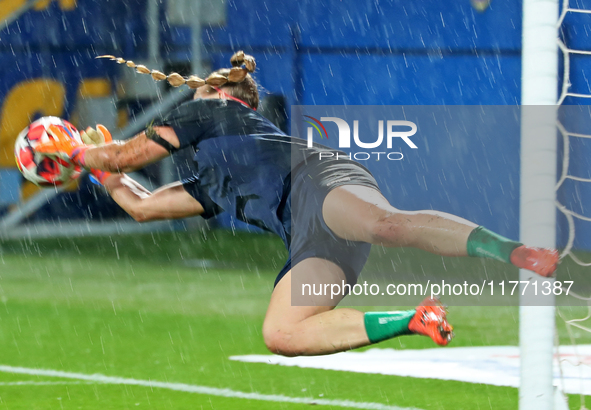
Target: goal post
539	79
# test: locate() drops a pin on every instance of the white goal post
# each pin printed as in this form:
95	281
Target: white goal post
539	84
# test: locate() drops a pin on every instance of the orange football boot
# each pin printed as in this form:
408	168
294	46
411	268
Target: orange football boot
430	320
539	260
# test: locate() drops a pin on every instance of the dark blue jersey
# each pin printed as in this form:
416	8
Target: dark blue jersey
243	162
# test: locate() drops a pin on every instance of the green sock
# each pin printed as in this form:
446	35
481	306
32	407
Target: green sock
386	325
486	244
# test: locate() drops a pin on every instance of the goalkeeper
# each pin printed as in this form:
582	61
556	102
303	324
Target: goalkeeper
328	213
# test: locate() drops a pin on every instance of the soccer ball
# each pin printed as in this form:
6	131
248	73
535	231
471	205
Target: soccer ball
42	169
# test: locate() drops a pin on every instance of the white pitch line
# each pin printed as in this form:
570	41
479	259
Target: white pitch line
211	391
34	383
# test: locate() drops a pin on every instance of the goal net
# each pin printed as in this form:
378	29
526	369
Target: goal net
573	351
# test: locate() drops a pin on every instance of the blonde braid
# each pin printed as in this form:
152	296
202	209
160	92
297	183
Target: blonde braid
242	64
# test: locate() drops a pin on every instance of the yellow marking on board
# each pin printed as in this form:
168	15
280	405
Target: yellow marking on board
94	87
65	5
40	96
7	7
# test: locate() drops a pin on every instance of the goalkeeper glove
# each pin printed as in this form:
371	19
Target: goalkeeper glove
98	177
69	149
96	137
62	145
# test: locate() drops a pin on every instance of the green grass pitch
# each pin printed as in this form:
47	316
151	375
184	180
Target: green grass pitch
172	308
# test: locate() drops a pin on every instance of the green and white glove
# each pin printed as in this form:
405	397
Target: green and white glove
98	136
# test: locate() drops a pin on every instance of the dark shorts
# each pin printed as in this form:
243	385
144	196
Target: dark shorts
310	236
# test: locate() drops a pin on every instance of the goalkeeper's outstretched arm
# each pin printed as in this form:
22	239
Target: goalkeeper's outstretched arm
130	155
120	156
169	202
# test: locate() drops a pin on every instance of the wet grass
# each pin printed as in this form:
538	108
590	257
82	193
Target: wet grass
173	308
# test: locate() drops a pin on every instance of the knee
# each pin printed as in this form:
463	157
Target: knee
280	342
393	229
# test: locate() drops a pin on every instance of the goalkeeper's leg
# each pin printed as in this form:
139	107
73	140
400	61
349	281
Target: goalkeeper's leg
320	329
361	213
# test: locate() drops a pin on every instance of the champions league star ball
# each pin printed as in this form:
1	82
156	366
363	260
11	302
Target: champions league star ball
43	169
